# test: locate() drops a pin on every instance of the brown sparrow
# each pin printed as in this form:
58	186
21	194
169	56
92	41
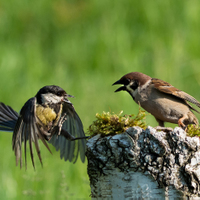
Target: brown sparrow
165	102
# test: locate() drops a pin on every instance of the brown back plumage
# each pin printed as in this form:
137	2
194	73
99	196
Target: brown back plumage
169	89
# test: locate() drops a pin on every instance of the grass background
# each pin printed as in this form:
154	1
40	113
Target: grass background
84	47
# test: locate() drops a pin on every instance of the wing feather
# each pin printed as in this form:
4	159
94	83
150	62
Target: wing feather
35	135
25	130
69	150
169	89
25	140
30	145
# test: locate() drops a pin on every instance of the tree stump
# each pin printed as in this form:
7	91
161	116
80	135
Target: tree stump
144	164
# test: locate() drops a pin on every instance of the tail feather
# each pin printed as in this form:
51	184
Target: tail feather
8	118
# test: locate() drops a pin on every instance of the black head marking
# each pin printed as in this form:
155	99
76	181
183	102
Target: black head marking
135	85
122	81
132	80
50	89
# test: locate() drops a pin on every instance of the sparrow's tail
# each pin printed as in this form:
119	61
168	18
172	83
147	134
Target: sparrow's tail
8	118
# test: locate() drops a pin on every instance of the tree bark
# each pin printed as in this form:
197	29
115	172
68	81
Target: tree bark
144	164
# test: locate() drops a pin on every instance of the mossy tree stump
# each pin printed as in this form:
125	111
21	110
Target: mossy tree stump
144	164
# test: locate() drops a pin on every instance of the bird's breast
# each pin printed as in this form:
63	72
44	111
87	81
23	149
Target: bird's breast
46	114
164	106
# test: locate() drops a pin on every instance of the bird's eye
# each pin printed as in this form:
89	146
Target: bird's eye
126	81
59	93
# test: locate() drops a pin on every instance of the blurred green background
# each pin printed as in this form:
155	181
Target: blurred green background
84	47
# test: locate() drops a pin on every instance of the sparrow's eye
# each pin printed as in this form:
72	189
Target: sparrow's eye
126	81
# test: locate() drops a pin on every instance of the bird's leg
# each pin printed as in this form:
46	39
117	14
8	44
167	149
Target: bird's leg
60	123
70	137
160	122
43	131
181	124
162	127
57	129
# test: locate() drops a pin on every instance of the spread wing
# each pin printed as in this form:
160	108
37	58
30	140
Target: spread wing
8	118
69	150
169	89
25	130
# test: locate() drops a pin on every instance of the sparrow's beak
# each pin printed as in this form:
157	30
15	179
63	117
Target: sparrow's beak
121	88
65	99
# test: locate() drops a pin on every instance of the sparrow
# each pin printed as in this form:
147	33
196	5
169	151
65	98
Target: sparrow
48	116
165	102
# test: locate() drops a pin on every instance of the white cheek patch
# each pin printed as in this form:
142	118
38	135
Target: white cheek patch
50	98
128	87
133	92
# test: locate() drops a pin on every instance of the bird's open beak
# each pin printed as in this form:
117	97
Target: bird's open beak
120	88
68	95
65	99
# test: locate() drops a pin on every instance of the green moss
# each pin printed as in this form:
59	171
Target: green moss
111	124
193	130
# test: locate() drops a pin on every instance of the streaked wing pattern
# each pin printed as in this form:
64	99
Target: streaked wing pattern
69	150
169	89
27	130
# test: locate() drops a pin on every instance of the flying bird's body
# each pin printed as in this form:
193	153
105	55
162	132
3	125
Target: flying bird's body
162	100
49	116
